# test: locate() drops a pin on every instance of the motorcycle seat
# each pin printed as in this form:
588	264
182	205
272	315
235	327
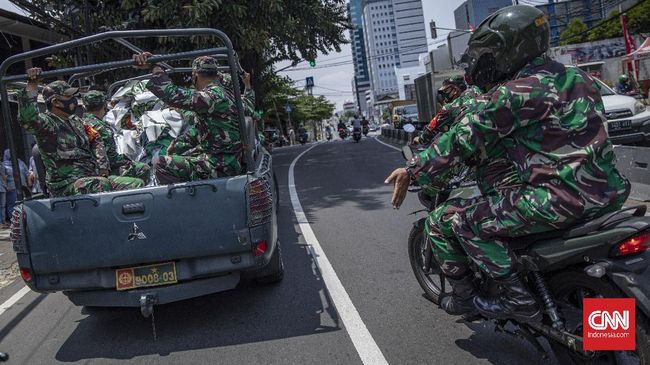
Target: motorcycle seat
581	229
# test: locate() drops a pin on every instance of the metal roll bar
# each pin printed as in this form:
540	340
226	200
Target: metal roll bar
119	36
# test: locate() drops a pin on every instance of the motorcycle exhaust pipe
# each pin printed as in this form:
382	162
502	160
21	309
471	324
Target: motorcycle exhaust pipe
573	342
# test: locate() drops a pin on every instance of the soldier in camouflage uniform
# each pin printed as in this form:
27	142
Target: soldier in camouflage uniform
547	121
74	158
219	151
453	96
95	103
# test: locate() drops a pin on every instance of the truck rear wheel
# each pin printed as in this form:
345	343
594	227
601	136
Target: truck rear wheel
273	272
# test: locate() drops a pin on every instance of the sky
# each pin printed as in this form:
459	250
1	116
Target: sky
336	82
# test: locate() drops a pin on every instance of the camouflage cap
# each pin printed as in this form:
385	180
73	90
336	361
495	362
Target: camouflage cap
58	88
94	99
205	63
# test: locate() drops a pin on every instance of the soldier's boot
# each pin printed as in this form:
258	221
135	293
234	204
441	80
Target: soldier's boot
514	301
461	300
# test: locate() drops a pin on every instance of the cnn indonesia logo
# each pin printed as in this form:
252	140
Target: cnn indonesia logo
609	324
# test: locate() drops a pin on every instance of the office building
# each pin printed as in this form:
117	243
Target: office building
589	11
361	80
395	36
472	12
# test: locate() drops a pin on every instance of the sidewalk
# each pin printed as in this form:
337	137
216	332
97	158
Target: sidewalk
8	265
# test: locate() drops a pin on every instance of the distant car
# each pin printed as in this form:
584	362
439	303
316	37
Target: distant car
628	120
373	127
386	126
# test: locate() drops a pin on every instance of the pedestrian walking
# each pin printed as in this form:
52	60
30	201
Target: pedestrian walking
292	137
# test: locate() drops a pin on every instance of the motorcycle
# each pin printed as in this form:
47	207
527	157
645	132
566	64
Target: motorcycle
328	135
303	138
594	259
366	130
343	133
356	134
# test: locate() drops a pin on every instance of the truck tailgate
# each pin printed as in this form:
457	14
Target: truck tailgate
155	224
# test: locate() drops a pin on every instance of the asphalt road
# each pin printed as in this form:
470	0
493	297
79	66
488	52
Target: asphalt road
340	187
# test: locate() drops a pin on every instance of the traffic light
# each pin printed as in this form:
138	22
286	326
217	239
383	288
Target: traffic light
434	31
312	63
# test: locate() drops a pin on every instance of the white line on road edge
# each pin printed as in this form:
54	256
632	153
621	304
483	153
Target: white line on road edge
387	145
361	339
14	298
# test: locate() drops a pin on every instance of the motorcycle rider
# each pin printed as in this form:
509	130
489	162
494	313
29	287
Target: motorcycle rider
356	123
365	125
625	86
342	127
453	96
547	120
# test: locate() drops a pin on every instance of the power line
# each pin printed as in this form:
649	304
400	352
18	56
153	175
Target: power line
343	63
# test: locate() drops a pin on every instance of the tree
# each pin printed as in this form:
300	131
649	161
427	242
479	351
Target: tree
638	22
263	31
574	32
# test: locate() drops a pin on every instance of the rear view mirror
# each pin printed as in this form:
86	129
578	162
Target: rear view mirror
407	153
409	128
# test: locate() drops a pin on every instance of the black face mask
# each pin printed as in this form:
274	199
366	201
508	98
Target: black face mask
69	106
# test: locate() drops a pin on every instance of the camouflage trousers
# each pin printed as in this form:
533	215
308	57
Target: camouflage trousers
134	169
174	168
99	184
478	229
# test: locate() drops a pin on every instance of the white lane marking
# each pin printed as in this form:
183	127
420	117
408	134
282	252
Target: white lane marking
365	345
387	145
14	299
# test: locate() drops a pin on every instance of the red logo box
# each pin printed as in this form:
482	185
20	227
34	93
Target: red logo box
609	324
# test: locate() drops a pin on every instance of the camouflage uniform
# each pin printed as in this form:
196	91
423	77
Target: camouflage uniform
540	141
71	152
219	150
119	164
448	113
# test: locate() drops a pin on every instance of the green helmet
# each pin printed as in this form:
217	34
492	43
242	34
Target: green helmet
623	78
505	42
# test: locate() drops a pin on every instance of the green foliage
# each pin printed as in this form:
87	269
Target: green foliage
263	32
306	108
638	22
574	32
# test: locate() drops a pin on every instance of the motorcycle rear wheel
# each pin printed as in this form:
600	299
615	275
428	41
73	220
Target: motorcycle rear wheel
435	287
568	289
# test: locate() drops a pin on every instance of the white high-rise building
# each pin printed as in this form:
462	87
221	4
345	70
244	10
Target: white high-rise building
395	36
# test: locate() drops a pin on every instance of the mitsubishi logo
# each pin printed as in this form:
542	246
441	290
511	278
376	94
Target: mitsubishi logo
136	234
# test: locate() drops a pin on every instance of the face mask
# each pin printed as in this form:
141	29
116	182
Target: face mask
69	106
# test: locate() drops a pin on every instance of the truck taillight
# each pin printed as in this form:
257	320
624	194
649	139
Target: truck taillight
18	218
260	248
636	244
26	274
260	201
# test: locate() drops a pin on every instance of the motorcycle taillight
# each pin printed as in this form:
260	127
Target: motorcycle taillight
634	245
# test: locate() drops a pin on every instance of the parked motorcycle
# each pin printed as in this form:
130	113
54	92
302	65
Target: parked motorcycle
606	257
343	133
356	134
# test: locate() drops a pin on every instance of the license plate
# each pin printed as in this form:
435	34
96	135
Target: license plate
619	125
145	276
